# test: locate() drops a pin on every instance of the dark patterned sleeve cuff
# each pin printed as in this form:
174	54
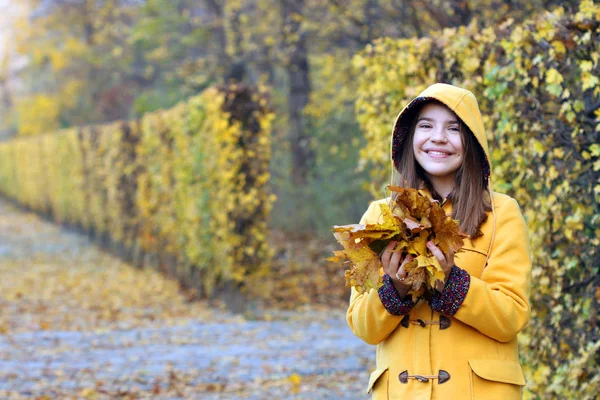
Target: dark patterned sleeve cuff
449	300
391	300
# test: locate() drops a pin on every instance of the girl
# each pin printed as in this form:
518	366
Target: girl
460	343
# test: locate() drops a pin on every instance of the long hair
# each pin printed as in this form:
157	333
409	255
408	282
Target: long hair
470	198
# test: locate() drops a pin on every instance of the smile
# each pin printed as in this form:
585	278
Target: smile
436	153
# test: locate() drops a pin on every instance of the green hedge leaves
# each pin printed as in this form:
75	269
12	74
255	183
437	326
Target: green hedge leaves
537	85
184	189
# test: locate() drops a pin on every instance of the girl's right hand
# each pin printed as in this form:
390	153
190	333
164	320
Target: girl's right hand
393	265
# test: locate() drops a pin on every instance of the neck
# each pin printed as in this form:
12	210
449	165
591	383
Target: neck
443	186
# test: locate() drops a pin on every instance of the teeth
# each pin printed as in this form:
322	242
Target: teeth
437	153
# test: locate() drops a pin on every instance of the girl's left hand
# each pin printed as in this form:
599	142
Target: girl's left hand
446	261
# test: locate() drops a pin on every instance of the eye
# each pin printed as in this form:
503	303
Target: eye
424	125
454	128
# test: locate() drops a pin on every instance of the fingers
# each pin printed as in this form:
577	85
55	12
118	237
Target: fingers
395	261
401	273
391	259
387	255
408	259
446	262
437	253
394	265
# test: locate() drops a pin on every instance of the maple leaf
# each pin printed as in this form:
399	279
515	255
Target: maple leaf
413	203
418	246
412	219
364	272
417	277
362	245
446	234
413	225
433	268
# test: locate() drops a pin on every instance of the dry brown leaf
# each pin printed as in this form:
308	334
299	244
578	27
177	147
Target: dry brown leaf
412	219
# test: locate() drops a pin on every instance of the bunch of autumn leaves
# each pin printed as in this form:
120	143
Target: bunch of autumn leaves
411	219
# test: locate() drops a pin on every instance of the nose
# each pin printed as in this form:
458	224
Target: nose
438	135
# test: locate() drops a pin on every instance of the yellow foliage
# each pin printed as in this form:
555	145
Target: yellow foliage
411	220
38	113
190	182
534	83
69	93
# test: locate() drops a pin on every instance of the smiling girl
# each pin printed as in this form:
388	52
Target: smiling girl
460	342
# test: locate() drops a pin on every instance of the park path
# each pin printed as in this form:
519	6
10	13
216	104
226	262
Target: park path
77	323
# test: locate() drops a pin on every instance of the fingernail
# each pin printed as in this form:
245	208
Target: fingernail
429	244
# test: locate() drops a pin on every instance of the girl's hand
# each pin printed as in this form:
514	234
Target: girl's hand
393	265
446	261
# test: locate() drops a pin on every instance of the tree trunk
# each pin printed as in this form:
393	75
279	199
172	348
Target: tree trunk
218	9
462	12
416	23
237	69
371	16
299	88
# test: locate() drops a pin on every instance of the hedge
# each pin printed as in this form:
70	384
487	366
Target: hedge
183	189
538	87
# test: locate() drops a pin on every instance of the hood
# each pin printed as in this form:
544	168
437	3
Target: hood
461	101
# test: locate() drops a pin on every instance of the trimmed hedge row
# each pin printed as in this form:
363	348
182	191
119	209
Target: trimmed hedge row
537	84
184	189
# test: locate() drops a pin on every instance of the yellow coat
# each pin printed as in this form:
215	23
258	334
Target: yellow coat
476	348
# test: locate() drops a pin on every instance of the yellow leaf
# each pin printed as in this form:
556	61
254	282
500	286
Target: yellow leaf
553	77
88	393
589	80
296	380
586	66
559	47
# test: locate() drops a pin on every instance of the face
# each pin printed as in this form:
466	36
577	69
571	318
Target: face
437	143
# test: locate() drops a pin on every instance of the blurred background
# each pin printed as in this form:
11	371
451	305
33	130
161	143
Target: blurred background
75	62
185	134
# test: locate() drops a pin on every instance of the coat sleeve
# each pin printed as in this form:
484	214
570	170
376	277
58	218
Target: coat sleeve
366	315
497	303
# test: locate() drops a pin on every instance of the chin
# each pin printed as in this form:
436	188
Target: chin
436	173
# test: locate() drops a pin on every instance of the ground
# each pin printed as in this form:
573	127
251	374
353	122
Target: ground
78	323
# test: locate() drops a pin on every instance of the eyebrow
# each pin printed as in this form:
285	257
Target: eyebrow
452	121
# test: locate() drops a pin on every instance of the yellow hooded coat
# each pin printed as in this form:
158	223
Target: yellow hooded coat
473	353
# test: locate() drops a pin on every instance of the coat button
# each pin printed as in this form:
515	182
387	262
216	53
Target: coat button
403	377
444	322
405	321
443	376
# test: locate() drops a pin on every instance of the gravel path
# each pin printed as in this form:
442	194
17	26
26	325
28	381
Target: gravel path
78	323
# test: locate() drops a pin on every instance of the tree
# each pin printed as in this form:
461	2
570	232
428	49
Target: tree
297	69
77	58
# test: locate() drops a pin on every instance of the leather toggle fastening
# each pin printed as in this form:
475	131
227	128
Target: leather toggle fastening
403	377
405	321
444	322
420	322
442	377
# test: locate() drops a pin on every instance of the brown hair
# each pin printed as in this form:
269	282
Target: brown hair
470	198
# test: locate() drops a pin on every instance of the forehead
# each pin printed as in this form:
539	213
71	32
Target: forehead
437	111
